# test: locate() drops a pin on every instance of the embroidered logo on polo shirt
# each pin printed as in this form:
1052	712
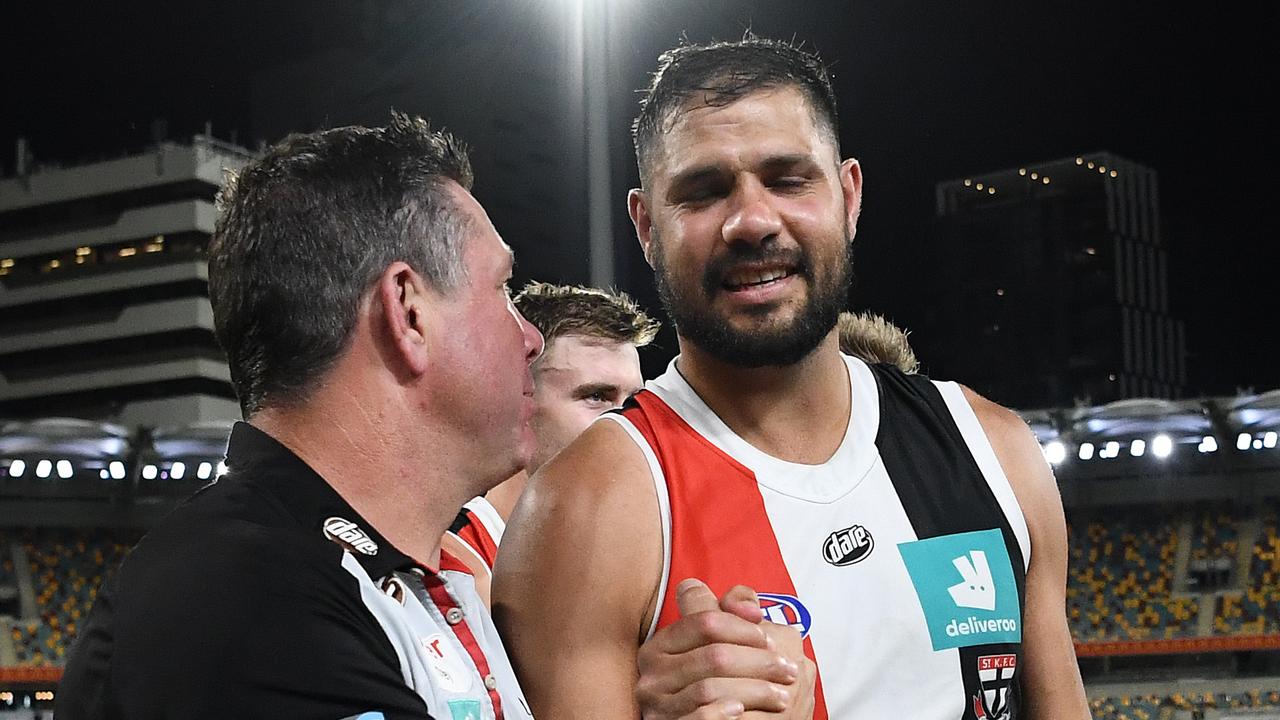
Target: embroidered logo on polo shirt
395	588
349	535
449	669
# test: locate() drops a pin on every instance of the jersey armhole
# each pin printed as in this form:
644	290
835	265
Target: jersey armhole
980	447
664	511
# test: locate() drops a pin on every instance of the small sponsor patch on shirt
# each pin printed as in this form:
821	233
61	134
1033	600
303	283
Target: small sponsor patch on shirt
349	535
966	588
449	670
464	709
786	610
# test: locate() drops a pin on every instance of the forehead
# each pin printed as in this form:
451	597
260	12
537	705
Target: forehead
766	123
600	358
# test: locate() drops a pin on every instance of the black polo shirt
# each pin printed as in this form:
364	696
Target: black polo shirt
237	606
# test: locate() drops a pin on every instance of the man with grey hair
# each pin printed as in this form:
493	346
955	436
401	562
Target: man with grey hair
360	294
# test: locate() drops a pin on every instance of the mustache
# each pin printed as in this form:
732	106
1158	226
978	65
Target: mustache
719	268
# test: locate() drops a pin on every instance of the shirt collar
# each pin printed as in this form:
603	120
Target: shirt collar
256	458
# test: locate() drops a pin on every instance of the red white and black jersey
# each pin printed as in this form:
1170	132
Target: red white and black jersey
901	559
479	528
267	596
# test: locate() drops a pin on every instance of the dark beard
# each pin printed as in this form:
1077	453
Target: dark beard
781	347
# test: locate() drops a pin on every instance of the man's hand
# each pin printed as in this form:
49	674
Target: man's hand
721	660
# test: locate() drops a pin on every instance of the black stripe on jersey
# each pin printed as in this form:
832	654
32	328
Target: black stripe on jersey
943	492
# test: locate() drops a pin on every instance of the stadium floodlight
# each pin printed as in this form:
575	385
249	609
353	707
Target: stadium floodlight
1055	452
1162	446
44	468
1138	447
1112	449
1208	444
104	474
1243	440
1086	451
17	468
117	470
178	470
65	471
1269	440
222	468
149	472
204	470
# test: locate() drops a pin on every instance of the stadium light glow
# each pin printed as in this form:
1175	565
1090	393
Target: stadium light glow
1162	446
178	470
17	468
204	470
222	468
1243	440
1110	450
65	471
1269	440
1208	444
104	474
149	472
1055	452
117	470
1138	447
43	469
1086	451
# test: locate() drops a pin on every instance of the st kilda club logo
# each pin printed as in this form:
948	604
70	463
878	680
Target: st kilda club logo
848	546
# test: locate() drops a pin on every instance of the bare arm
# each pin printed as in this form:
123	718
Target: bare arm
576	574
575	588
1050	675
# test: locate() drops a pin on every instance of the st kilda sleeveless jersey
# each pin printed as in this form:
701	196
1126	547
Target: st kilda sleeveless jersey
901	559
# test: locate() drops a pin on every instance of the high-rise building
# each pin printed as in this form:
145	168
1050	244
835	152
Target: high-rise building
1056	285
104	303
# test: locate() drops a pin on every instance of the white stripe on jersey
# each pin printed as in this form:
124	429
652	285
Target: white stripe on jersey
488	516
980	447
664	512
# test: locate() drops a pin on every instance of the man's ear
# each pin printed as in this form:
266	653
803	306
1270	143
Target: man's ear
851	186
638	209
404	297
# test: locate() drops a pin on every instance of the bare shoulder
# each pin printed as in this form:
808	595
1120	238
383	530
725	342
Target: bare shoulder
577	573
1021	459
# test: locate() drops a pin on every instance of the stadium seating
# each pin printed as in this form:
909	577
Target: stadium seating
67	568
1256	611
1120	584
1167	707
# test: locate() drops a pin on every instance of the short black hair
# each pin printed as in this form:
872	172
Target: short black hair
306	230
719	73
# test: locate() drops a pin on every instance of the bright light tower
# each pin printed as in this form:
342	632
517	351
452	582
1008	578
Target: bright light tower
589	80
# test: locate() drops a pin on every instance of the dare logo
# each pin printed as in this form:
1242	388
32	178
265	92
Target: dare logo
848	546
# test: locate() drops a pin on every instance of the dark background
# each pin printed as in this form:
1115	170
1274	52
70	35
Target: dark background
929	91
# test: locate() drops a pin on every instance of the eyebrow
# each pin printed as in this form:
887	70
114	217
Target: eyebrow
593	388
774	163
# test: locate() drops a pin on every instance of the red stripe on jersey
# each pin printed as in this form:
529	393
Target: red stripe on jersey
444	601
720	529
477	537
449	562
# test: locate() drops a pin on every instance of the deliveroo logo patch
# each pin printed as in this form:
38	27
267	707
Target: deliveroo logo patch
966	588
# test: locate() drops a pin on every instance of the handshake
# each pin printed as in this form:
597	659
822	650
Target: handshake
722	659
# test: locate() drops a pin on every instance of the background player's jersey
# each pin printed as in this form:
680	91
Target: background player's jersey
479	528
901	559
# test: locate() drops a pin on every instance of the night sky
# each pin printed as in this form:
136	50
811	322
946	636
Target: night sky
929	91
